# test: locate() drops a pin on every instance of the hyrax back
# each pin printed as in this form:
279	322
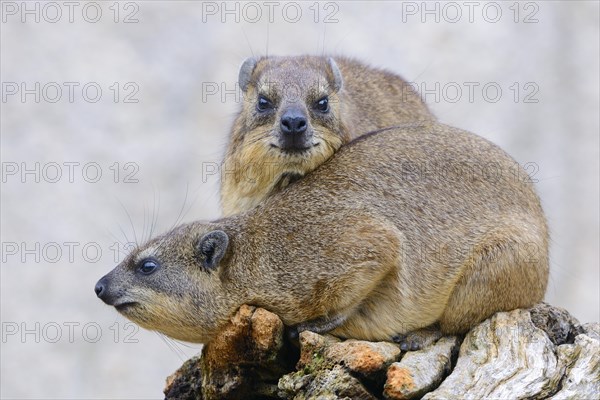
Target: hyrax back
297	112
400	229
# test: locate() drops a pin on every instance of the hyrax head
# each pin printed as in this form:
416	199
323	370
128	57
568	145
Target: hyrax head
291	106
173	284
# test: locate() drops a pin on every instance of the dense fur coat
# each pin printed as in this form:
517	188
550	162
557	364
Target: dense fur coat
400	229
337	100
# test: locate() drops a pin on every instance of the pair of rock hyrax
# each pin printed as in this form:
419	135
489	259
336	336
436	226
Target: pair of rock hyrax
297	112
342	249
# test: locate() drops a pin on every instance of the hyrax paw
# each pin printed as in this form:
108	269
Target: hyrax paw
407	343
419	339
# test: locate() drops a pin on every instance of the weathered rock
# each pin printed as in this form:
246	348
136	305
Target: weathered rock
508	356
244	362
186	382
582	359
311	346
560	326
369	360
330	368
538	353
323	384
420	371
592	330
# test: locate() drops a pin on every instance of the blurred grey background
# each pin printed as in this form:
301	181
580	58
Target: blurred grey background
166	74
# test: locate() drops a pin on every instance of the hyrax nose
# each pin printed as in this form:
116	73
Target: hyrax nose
100	288
293	122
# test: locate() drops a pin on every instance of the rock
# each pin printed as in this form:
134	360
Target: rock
368	360
582	359
420	371
311	346
592	330
323	384
245	361
559	325
509	356
329	368
186	382
538	353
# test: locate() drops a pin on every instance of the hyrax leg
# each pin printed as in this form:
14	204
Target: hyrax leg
349	274
319	325
505	271
322	325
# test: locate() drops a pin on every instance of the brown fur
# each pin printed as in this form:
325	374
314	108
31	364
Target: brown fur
369	99
400	229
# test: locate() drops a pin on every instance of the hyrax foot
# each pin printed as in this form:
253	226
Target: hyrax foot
419	339
318	325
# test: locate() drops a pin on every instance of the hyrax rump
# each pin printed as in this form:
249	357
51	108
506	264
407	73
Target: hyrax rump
297	112
400	229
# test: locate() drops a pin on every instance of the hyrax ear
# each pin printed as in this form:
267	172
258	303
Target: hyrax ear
336	74
246	72
211	248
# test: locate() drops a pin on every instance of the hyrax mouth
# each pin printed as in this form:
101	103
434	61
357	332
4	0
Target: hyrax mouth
295	149
125	306
295	157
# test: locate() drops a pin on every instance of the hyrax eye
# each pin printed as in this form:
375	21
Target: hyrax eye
148	266
264	104
322	105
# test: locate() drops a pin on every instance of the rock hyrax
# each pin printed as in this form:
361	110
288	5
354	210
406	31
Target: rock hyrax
400	229
297	112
